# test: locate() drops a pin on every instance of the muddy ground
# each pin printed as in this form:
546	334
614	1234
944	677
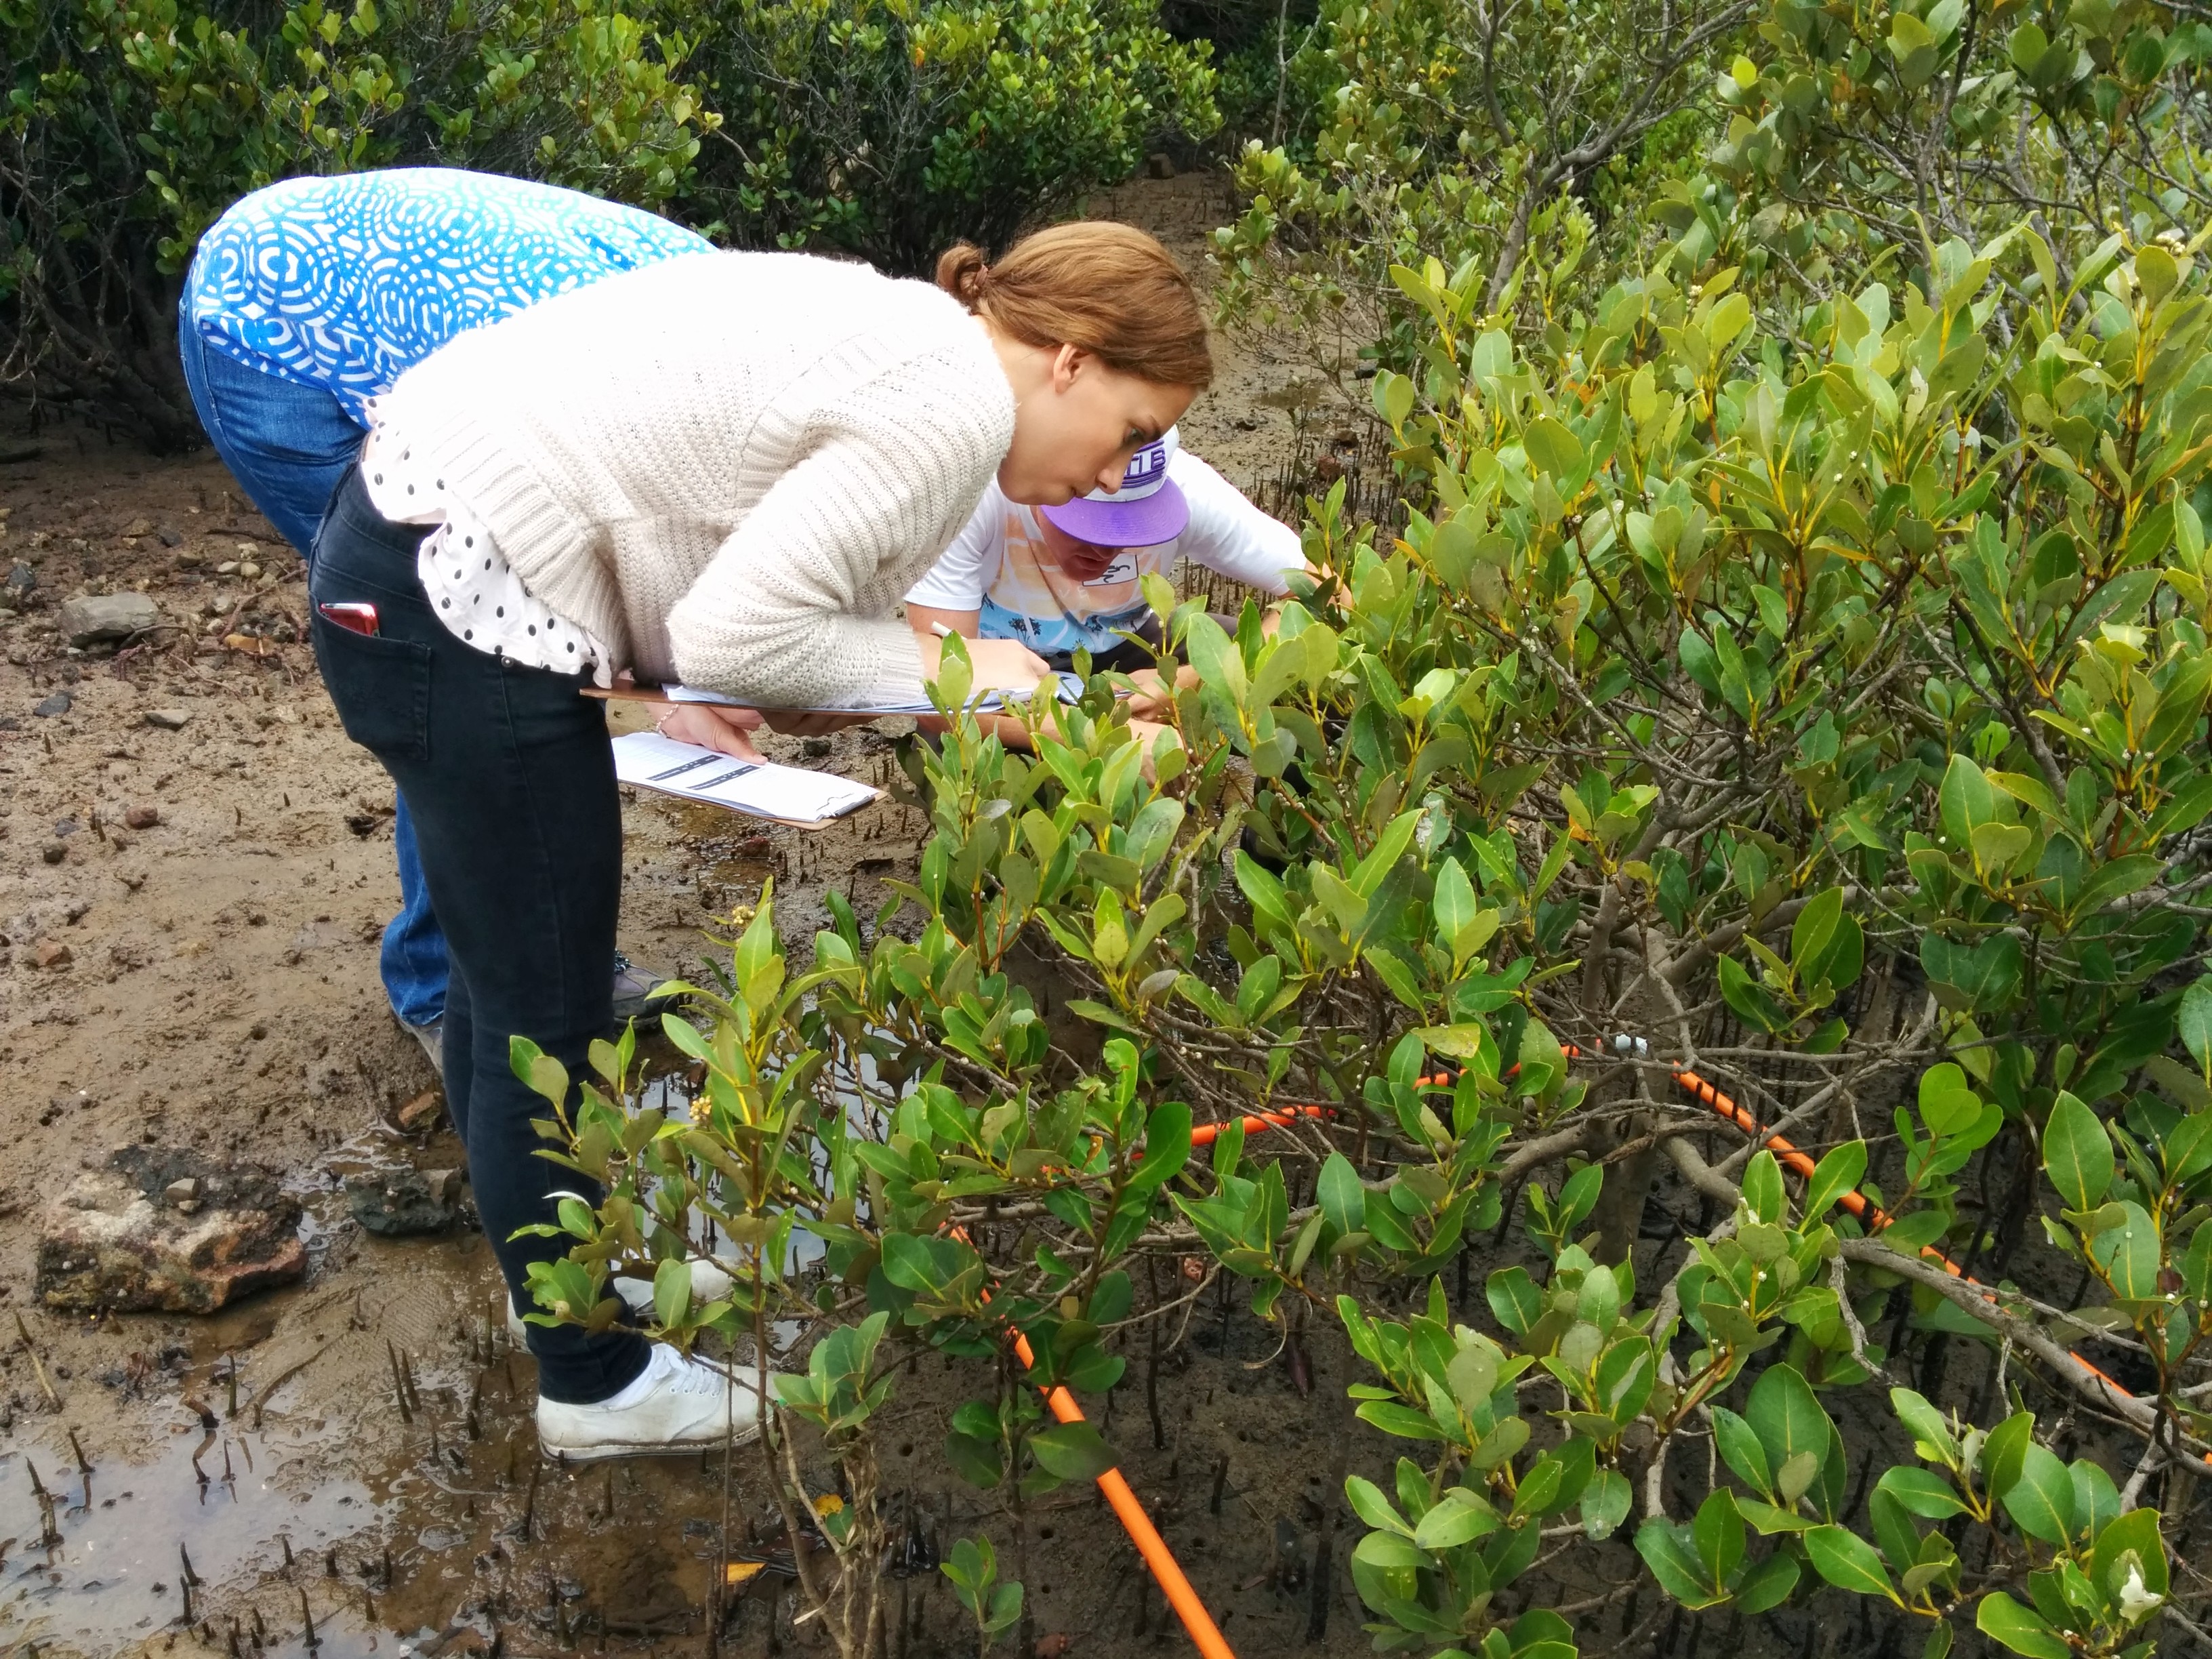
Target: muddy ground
209	981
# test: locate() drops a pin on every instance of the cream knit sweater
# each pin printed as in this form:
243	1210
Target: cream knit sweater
728	466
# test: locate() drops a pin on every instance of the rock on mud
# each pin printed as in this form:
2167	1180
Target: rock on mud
398	1202
95	617
122	1240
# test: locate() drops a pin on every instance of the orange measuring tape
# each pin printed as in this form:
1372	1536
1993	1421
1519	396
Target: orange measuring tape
1168	1573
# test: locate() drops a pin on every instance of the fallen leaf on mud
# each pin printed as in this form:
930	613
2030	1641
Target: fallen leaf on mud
742	1572
250	645
1053	1646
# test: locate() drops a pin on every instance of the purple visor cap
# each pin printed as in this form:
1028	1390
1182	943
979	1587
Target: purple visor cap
1146	511
1157	518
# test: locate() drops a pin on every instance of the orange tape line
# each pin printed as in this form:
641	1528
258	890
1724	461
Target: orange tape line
1855	1202
1205	1134
1167	1571
1796	1161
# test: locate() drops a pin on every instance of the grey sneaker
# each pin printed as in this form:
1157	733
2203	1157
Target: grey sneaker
637	992
431	1036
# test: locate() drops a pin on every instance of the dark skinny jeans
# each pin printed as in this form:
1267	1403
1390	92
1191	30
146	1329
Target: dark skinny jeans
508	776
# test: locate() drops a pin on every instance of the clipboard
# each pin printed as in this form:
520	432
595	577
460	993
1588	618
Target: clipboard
1068	689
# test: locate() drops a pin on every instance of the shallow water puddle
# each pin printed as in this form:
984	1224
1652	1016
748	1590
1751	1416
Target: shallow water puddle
386	1553
111	1573
313	1498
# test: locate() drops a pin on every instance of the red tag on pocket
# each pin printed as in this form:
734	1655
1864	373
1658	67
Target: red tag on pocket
354	618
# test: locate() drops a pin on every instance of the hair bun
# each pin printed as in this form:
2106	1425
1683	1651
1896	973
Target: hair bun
1104	288
961	271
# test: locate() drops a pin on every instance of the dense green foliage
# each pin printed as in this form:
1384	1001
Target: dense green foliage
1440	131
1793	672
894	129
1710	691
888	128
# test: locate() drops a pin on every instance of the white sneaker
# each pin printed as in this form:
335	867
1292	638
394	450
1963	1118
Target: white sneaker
709	1283
675	1405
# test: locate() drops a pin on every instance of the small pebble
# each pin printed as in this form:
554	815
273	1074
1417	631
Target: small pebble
169	719
60	703
144	816
54	853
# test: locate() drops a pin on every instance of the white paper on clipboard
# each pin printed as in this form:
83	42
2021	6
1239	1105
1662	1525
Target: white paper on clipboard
757	788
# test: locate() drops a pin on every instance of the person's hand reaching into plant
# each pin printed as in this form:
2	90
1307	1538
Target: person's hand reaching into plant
1148	733
1153	695
994	665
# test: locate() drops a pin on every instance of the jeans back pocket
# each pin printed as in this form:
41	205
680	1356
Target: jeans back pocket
380	688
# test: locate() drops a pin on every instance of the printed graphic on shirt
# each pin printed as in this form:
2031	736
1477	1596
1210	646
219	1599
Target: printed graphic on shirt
345	283
1030	598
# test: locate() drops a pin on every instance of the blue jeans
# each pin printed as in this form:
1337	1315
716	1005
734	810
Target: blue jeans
520	830
288	446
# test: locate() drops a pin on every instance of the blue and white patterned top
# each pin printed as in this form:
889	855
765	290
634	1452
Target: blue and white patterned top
344	284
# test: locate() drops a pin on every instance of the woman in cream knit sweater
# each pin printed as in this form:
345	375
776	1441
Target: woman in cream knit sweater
724	468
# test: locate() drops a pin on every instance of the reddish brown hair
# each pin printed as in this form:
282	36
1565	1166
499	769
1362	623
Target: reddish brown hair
1109	289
